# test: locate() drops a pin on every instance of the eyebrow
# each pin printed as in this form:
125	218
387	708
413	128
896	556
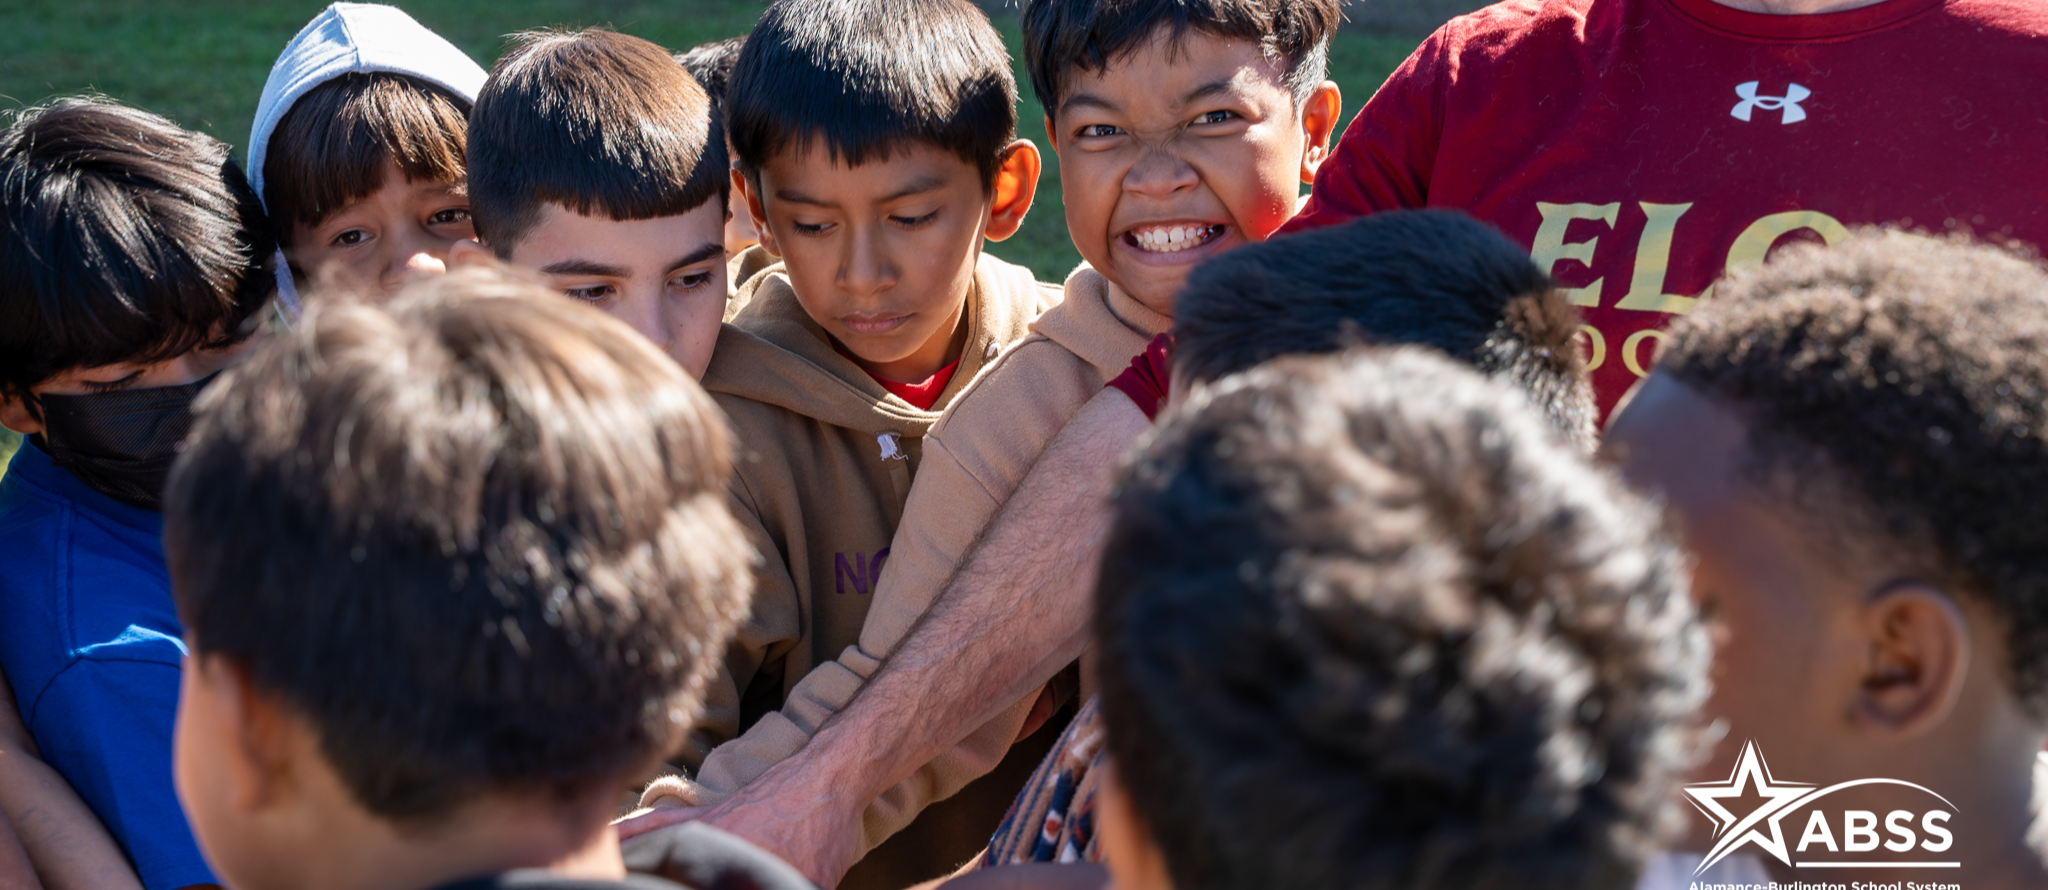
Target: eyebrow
917	186
1219	86
591	268
703	252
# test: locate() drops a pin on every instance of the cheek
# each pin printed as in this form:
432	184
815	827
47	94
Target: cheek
1266	199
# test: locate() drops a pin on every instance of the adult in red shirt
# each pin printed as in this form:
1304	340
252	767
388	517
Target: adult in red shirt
1641	147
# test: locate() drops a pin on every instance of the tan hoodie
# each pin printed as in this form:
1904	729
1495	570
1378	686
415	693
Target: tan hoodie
826	458
973	460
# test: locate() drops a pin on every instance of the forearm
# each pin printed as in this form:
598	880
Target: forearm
63	839
1015	613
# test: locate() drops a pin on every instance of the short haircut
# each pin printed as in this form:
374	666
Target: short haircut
601	123
332	146
868	76
1364	622
1061	36
712	64
1436	278
123	238
477	538
1895	388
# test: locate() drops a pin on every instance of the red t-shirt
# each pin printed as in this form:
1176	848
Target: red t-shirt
1148	379
1640	147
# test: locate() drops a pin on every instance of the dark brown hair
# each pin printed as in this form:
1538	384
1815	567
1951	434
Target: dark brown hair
331	147
1065	35
1434	278
596	121
123	238
1895	388
477	537
1365	622
867	77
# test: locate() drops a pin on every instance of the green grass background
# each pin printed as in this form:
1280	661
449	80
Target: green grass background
202	63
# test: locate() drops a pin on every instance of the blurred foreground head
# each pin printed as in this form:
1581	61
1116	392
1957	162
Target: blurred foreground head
1365	621
472	544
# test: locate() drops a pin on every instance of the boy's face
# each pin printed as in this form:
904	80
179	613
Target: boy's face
1178	152
664	276
382	240
882	256
191	367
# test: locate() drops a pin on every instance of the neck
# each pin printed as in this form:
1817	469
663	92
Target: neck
1796	7
489	838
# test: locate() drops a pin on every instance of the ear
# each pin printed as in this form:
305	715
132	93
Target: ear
1318	123
1134	859
1052	136
1918	645
16	415
751	199
1015	185
470	253
231	736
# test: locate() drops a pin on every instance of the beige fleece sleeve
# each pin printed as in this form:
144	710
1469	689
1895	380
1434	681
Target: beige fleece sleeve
1004	423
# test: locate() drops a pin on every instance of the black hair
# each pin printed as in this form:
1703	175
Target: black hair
477	538
599	122
1364	622
1436	278
712	64
331	147
126	239
867	76
1895	390
1064	35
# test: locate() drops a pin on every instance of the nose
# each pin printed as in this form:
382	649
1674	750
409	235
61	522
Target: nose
1158	174
866	269
655	314
412	258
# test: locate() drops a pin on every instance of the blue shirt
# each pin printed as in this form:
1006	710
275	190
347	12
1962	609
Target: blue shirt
91	644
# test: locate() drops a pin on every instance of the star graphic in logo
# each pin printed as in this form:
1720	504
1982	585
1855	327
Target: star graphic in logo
1732	831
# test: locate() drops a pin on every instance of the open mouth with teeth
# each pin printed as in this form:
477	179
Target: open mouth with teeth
1172	239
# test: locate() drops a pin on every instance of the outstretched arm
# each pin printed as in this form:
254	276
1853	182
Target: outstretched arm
1012	617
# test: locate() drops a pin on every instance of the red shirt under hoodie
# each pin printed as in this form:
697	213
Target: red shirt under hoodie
1640	147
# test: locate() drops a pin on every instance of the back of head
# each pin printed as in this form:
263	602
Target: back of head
1895	390
1364	623
476	537
711	64
1429	277
334	144
1066	35
126	239
601	123
866	76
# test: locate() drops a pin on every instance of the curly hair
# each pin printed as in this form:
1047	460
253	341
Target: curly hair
1895	393
1364	622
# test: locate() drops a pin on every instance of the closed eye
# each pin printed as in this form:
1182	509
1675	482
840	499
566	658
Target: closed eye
110	385
912	222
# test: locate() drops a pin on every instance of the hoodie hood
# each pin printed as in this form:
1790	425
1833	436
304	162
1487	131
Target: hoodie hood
774	353
349	38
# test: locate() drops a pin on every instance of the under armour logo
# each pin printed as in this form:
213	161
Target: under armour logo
1794	94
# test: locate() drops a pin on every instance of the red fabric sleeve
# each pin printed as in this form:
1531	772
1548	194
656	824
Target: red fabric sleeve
1149	377
1386	157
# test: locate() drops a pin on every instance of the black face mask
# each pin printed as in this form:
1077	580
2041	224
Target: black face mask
120	443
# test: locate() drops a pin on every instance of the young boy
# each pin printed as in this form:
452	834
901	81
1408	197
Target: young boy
1197	118
453	572
134	259
596	160
712	64
882	310
357	150
1855	441
1364	621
